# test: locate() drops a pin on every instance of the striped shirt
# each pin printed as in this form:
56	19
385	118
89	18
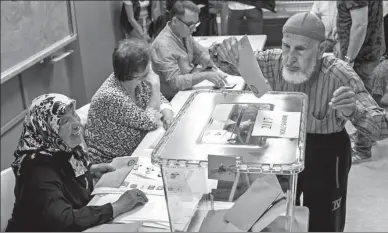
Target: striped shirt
334	73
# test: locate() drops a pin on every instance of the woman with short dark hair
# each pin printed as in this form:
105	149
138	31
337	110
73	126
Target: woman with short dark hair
127	105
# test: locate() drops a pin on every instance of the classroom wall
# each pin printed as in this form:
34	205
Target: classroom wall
77	76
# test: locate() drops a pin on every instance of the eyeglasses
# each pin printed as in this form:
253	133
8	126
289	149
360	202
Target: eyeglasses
190	26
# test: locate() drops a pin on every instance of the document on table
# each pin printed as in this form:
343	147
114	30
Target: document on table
144	176
277	124
250	69
154	211
231	79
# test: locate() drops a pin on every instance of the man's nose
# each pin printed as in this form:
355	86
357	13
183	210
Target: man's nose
291	60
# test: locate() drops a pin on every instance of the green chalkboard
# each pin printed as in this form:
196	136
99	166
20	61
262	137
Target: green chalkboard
32	30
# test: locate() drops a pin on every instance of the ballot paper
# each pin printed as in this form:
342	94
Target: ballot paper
215	222
250	207
277	124
250	69
115	178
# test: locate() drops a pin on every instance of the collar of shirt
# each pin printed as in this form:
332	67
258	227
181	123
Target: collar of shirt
178	40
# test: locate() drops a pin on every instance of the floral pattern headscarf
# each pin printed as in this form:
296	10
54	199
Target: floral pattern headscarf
40	133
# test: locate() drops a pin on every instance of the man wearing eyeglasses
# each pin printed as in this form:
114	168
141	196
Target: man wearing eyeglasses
176	54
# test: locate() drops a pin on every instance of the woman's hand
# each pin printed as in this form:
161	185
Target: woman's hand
128	201
97	170
167	118
153	80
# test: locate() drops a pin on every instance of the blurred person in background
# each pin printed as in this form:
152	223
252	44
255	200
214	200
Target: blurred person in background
208	17
327	12
247	13
380	88
137	17
360	34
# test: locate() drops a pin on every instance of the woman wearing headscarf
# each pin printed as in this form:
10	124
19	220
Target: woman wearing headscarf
54	175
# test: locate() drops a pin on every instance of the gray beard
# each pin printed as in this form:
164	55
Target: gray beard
298	77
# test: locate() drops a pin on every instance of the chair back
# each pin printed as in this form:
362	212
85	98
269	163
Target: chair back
7	196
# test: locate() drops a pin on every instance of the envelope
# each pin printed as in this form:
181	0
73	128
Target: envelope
300	224
250	69
270	215
250	207
214	222
120	162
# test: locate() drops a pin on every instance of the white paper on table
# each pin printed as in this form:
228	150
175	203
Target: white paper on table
144	176
155	210
277	124
250	69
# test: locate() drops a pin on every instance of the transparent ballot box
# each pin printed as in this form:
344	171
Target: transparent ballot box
230	162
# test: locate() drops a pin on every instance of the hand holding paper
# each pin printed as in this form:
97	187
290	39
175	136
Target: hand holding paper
228	51
250	69
114	179
240	54
97	170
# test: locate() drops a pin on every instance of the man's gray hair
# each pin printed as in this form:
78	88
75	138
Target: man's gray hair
180	6
131	56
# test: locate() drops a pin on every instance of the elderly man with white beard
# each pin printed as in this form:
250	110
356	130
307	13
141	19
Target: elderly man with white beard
336	95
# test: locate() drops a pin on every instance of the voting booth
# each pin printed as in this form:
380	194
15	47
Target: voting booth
230	162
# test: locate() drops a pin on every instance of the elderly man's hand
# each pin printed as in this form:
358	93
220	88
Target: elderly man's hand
344	100
206	61
167	118
227	51
97	170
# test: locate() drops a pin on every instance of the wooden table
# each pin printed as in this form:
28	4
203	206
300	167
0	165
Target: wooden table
145	148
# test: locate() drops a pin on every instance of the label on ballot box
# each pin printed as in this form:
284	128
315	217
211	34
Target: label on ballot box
277	124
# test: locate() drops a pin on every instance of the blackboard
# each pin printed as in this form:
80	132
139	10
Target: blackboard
31	31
